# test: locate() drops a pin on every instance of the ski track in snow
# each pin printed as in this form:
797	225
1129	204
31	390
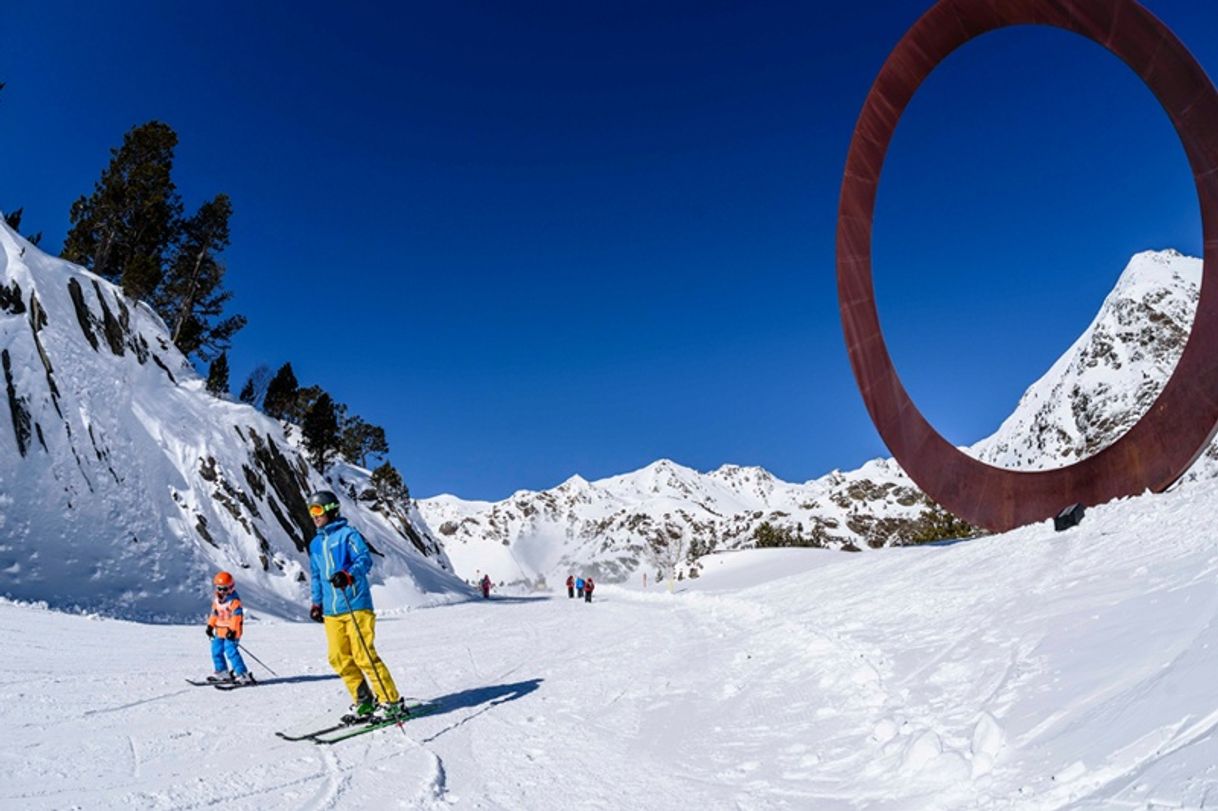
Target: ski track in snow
1031	670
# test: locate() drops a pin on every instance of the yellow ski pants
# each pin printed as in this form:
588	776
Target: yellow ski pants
352	661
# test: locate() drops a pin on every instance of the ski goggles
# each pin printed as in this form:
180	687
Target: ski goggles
223	589
318	510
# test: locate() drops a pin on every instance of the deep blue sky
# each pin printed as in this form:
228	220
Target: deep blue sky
574	238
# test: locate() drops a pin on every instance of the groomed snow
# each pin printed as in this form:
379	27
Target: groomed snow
1027	670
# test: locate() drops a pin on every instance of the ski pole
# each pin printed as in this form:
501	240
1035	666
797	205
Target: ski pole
255	658
367	650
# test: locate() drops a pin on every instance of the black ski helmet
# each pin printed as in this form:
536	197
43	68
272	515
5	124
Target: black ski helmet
324	499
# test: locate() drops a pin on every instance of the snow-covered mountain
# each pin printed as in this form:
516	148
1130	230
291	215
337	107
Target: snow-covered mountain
1112	374
124	484
1091	395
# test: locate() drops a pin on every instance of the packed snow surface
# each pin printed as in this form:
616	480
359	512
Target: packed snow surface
1031	670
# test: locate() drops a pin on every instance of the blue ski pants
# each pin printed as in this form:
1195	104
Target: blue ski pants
221	648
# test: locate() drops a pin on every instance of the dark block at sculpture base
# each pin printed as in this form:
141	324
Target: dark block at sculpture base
1072	516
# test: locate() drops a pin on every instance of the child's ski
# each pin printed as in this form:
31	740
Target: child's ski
208	683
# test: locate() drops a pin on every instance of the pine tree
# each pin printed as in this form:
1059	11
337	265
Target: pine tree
192	295
217	376
281	393
13	218
125	229
255	385
358	440
319	430
302	401
389	485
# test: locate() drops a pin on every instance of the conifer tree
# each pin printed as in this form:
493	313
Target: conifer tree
281	393
217	376
192	295
13	218
319	430
125	229
358	440
255	385
389	485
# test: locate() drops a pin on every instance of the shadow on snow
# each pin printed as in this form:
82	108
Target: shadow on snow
483	698
295	679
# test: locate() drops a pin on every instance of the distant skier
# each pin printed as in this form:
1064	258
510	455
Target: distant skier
570	586
486	586
224	629
339	561
588	586
579	587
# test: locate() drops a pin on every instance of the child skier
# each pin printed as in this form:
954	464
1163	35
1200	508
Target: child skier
224	629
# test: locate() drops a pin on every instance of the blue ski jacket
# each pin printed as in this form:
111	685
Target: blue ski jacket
338	546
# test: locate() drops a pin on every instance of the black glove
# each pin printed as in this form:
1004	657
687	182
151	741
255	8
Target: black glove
315	613
341	580
211	632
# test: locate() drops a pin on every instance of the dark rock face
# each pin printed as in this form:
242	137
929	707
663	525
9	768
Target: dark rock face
17	407
83	315
38	321
10	299
289	485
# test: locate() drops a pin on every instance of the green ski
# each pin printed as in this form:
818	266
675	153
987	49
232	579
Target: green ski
416	711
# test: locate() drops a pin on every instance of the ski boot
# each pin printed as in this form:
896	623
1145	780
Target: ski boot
393	710
360	712
220	677
245	678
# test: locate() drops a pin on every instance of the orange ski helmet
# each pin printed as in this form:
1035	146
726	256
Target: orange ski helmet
223	579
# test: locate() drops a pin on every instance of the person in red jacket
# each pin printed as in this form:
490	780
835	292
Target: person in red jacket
570	585
588	586
486	586
224	629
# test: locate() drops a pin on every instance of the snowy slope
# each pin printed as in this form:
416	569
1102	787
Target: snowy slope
1030	670
1098	388
124	485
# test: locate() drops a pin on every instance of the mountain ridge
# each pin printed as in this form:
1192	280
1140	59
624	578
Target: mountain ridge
1096	390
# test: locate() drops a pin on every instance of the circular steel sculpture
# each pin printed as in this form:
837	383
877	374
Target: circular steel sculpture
1168	438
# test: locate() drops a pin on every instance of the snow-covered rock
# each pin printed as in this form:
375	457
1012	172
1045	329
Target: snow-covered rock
124	484
1112	374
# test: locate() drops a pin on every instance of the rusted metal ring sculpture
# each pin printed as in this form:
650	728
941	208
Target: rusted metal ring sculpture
1162	445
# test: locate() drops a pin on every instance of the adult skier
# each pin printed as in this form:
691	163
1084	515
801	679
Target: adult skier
224	629
340	562
570	585
588	586
486	586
